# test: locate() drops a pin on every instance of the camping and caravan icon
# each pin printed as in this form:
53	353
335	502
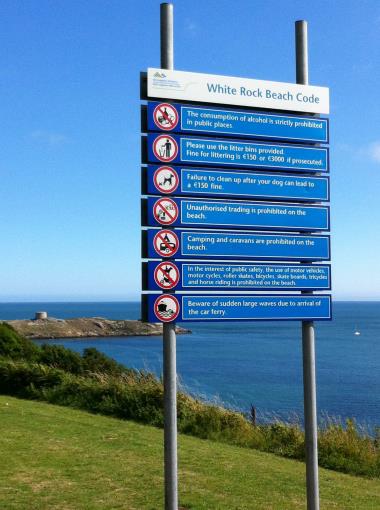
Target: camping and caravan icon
166	243
166	246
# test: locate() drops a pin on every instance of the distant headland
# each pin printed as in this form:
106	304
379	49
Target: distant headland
44	327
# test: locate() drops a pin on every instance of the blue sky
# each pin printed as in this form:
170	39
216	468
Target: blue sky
70	129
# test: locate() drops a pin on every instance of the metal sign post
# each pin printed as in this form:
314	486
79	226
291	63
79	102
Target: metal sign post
308	332
169	335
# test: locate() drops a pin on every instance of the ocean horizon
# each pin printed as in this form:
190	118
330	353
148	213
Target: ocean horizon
252	363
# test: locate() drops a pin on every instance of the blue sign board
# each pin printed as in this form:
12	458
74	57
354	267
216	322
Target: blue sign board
171	180
228	245
232	307
188	212
179	118
174	275
164	148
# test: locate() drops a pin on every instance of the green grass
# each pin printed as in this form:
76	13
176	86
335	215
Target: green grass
63	459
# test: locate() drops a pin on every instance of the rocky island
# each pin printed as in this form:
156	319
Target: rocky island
45	328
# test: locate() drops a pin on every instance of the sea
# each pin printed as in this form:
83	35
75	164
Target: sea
258	364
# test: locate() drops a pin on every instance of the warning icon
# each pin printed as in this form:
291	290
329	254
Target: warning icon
165	179
165	211
165	116
166	308
166	275
166	243
165	148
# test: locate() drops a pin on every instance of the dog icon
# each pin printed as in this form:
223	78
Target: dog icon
167	180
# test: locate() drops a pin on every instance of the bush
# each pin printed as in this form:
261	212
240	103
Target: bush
58	356
95	361
212	422
13	345
21	379
284	439
345	449
127	397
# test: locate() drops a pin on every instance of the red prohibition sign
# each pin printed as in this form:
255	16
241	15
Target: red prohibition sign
165	116
165	148
166	275
165	211
166	243
165	179
166	308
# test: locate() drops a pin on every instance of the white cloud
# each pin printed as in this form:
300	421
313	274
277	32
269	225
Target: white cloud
191	27
49	137
374	151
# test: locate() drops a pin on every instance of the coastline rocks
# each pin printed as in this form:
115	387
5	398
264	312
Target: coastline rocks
86	327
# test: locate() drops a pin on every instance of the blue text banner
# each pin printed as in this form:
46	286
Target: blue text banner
179	118
171	180
164	148
176	275
234	245
188	212
230	307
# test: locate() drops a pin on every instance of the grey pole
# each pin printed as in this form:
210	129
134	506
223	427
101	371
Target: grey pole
308	332
167	36
169	335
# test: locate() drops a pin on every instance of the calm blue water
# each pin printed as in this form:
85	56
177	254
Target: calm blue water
258	363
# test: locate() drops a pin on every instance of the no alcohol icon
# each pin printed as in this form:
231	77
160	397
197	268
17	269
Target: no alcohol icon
165	116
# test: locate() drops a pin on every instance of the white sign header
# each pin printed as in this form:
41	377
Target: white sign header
212	88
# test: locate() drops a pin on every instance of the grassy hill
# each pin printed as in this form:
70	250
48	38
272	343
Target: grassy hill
63	459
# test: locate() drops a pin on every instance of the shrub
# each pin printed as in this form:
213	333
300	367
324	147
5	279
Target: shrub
96	361
13	345
283	439
124	397
59	357
22	379
344	449
212	422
